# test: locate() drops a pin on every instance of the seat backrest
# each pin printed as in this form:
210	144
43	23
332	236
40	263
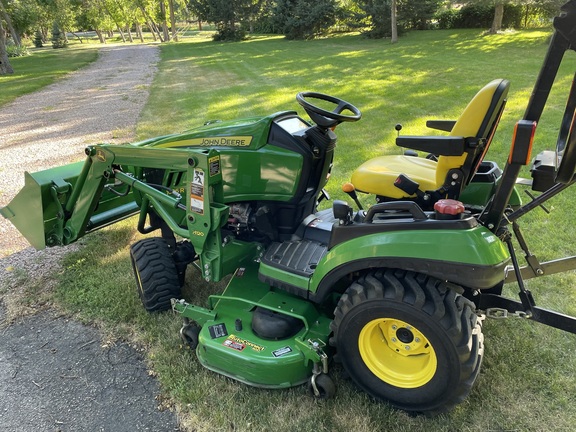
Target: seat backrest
479	119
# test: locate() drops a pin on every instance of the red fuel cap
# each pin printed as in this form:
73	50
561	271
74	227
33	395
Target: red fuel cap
449	207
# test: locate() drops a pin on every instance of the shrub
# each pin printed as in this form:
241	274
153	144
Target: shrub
478	16
14	50
38	42
226	33
58	39
304	19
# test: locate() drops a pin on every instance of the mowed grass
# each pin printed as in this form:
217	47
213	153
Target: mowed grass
528	380
43	67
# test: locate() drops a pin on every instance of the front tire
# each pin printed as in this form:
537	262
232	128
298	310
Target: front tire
409	339
156	274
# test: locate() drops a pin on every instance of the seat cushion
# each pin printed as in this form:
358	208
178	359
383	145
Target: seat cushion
377	175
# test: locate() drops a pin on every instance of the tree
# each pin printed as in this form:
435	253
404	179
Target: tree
393	22
498	16
304	19
4	15
226	14
5	67
417	14
498	6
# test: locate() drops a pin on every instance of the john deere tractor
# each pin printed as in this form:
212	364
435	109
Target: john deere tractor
396	292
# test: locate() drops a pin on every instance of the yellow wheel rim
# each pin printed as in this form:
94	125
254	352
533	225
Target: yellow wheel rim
397	353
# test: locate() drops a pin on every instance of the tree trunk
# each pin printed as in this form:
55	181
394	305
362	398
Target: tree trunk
100	36
173	21
498	16
129	31
153	28
164	24
393	22
199	24
121	34
139	31
15	36
5	67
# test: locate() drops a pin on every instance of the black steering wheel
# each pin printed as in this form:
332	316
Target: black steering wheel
325	118
566	144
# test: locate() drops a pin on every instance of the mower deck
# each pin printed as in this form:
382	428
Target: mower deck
257	335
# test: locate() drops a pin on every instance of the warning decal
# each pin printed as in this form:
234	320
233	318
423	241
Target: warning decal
214	165
234	345
197	192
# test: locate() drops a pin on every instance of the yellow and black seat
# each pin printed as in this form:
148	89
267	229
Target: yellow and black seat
459	154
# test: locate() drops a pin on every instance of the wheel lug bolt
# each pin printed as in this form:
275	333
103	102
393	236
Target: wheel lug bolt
394	340
407	347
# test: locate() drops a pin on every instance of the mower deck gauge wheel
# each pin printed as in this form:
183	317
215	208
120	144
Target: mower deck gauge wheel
321	386
189	335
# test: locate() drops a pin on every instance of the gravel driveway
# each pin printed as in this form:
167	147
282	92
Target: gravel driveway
55	374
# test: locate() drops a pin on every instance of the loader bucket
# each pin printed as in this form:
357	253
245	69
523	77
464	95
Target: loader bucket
25	212
33	210
41	210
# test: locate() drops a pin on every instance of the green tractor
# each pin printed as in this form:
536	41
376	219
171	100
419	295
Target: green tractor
396	293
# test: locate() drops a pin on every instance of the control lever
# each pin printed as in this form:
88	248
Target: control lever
349	189
409	186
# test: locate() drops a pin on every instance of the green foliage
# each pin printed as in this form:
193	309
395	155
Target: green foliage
227	15
377	13
24	14
411	15
417	14
478	15
229	33
38	39
16	51
58	39
304	19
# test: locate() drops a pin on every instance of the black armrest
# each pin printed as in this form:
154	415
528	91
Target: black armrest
443	125
438	145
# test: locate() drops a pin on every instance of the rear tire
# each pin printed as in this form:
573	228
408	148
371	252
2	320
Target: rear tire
409	339
156	274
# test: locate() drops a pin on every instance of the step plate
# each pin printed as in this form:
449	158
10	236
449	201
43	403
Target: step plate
300	257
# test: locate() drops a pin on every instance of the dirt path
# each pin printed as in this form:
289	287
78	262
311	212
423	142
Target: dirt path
56	374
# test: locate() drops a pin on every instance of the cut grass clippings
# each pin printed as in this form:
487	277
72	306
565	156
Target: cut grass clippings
528	380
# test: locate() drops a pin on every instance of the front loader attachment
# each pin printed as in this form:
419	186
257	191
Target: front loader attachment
181	188
48	199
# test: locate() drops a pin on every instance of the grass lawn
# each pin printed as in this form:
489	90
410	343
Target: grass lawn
528	380
43	67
